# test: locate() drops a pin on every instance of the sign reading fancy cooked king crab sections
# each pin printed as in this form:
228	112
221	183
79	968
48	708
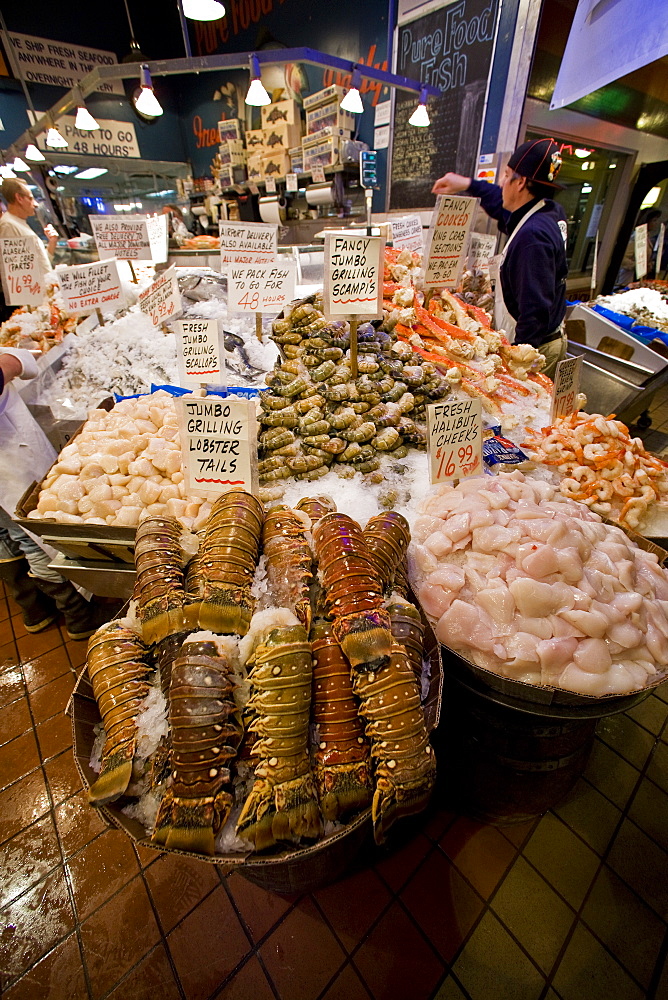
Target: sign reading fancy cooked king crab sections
448	240
353	276
219	444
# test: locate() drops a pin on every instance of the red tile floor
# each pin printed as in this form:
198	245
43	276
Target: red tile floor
572	905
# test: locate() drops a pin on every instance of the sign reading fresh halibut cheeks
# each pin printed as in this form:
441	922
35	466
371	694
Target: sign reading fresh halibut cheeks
219	444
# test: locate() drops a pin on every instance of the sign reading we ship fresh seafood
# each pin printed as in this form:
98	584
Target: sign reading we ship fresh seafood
219	443
91	286
353	276
22	271
448	239
454	440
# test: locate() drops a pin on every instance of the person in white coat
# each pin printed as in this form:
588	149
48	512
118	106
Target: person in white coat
25	457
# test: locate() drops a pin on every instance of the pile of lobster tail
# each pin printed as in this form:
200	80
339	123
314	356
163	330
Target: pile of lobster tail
159	587
289	560
387	536
353	591
119	670
283	802
342	763
408	629
205	734
229	554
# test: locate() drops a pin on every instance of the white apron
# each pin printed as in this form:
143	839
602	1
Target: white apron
502	318
26	454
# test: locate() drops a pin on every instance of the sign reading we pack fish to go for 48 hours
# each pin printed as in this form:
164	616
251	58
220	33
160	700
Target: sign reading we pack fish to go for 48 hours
219	444
260	288
448	239
91	286
353	276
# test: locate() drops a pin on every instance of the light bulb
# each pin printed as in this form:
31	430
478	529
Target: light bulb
203	10
352	102
19	165
84	120
148	104
582	153
7	173
55	140
420	116
34	154
257	95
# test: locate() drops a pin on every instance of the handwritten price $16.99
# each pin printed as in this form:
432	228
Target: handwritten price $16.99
19	282
446	465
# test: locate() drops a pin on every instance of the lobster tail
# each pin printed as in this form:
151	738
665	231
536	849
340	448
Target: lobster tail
159	587
387	536
289	560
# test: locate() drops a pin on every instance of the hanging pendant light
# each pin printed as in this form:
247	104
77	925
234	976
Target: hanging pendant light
34	154
7	173
19	165
352	101
55	140
147	103
203	10
420	116
84	120
257	95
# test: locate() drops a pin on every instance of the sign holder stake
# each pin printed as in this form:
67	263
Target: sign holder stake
132	271
99	317
353	348
258	326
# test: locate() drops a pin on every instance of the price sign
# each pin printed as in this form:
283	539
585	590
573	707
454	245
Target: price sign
640	249
454	440
270	185
447	239
219	444
291	183
91	286
318	175
481	250
260	288
131	237
247	243
407	233
199	352
22	271
659	249
566	387
353	275
162	300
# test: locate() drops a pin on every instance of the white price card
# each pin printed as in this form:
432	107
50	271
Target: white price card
640	250
318	174
353	275
566	387
247	242
199	352
659	248
291	182
22	271
270	185
407	233
448	239
481	250
260	288
91	286
131	237
219	444
162	300
454	440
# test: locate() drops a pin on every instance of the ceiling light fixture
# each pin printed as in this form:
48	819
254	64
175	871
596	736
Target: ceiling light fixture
147	103
352	101
84	120
583	153
34	154
55	140
19	165
203	10
7	173
257	95
90	173
420	116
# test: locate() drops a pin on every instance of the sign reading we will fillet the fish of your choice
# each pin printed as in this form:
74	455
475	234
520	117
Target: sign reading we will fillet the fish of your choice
353	281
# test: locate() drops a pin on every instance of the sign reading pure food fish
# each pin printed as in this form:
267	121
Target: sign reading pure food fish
132	237
454	440
162	300
448	240
247	243
199	352
260	288
219	442
91	286
22	271
353	275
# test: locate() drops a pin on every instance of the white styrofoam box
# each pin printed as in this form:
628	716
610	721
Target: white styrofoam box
276	164
329	114
282	137
228	130
255	140
281	113
324	97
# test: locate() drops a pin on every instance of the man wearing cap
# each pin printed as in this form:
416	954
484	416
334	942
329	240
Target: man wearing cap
531	284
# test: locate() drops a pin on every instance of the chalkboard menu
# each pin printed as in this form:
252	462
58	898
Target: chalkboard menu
450	48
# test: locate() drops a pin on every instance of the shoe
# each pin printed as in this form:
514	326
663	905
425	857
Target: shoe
82	617
37	609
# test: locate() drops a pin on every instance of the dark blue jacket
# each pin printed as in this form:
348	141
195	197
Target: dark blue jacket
533	275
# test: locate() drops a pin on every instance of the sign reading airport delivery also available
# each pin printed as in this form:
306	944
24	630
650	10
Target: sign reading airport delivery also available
162	300
353	275
219	444
448	239
131	237
22	271
91	286
199	352
247	243
260	288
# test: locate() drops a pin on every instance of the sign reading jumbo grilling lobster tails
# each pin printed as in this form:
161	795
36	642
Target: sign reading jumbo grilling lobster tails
219	444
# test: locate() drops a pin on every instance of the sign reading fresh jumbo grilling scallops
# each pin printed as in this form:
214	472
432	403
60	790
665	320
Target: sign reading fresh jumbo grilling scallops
353	275
219	444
